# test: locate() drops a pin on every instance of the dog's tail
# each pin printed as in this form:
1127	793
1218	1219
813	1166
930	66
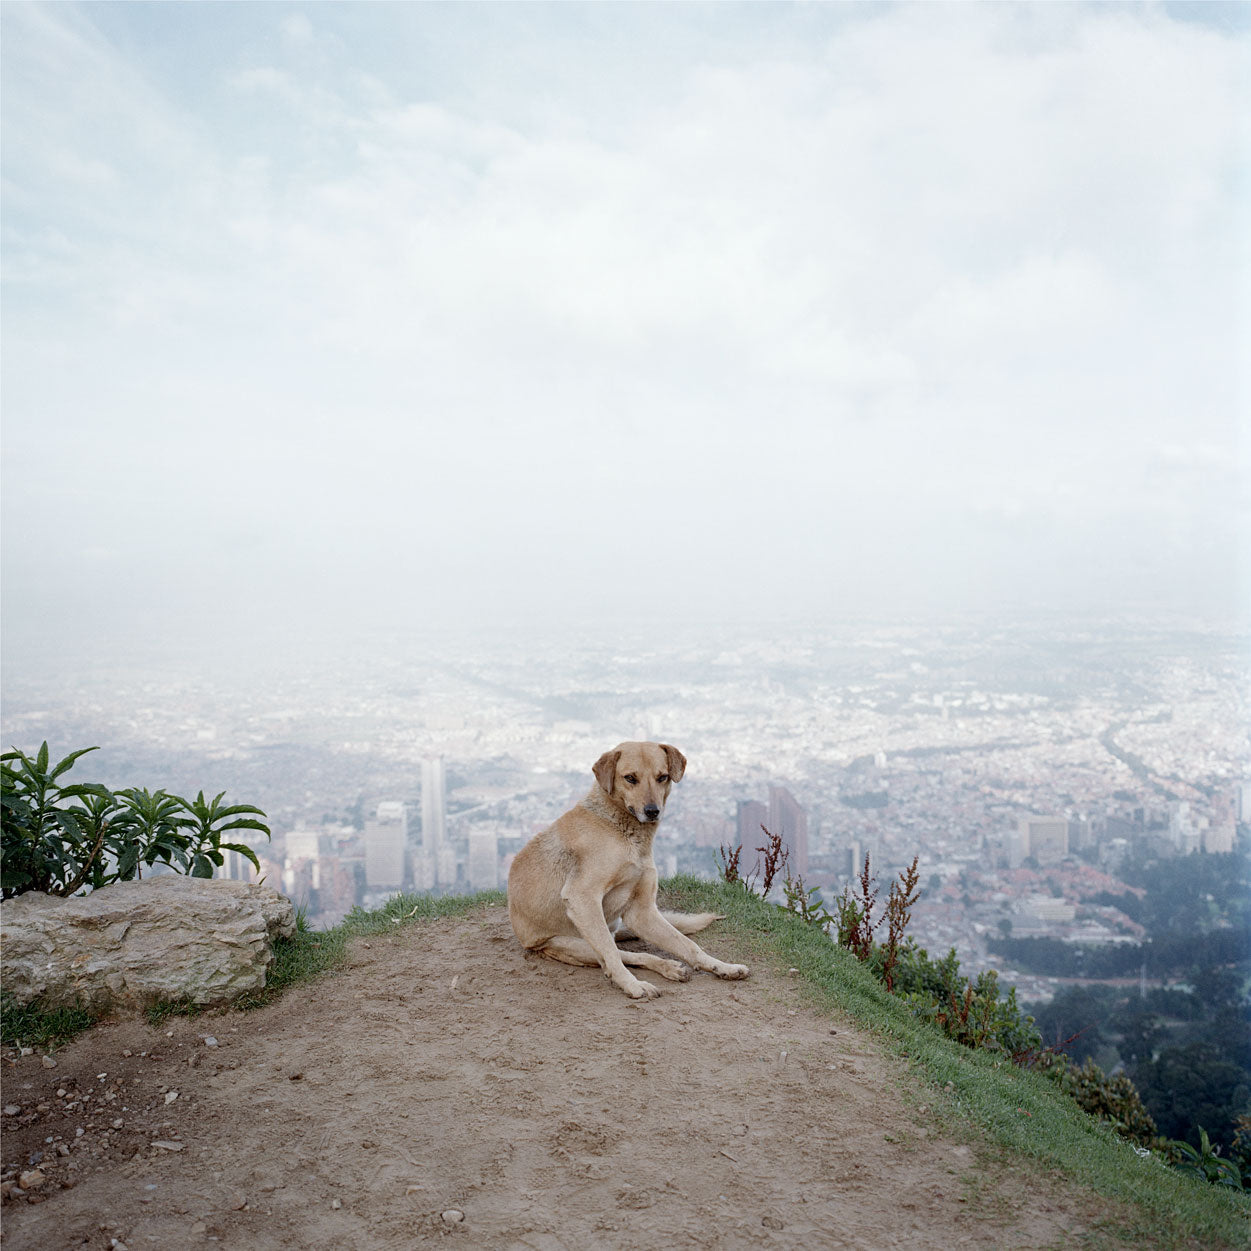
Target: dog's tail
685	922
692	922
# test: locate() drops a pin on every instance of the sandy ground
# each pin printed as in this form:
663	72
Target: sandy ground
447	1086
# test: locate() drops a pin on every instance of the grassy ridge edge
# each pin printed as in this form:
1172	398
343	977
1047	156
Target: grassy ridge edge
1020	1110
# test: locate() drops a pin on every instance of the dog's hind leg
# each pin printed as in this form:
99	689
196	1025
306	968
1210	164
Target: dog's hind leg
578	951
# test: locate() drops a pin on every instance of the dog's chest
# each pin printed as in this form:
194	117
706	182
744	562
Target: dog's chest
626	880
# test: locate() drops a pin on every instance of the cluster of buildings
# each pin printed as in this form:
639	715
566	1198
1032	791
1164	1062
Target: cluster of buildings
988	753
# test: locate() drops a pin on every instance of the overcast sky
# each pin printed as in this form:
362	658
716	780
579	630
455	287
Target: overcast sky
526	313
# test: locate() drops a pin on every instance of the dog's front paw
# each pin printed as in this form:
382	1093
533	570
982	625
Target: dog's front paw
640	990
731	972
675	971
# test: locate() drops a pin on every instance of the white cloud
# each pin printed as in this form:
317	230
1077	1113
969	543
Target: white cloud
932	265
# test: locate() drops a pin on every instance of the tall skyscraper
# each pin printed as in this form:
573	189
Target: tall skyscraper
386	843
433	807
790	822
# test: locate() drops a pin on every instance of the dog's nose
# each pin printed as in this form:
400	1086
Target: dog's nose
651	811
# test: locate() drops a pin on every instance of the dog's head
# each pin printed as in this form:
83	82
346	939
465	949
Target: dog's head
637	777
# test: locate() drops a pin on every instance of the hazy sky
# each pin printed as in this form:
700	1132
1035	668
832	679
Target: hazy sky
479	313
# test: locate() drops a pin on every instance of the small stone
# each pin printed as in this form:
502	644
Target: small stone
792	972
48	1062
167	1145
336	1204
169	1098
209	1040
127	1052
453	1216
11	1109
78	1133
32	1179
60	1094
772	1222
117	1124
116	1244
239	1201
62	1149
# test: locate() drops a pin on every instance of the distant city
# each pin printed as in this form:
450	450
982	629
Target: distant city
1020	764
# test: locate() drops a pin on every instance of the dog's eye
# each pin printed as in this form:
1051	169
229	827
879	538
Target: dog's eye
662	777
632	778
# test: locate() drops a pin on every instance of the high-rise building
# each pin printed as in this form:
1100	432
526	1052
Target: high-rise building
1046	839
433	807
446	865
752	814
386	845
790	822
423	871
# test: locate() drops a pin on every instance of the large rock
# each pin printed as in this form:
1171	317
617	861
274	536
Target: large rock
135	943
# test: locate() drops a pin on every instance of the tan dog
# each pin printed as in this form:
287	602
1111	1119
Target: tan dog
574	881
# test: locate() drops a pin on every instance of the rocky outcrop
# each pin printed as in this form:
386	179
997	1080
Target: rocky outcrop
135	943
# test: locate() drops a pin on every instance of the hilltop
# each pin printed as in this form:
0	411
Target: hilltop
442	1071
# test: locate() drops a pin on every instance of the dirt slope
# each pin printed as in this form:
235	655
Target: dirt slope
445	1070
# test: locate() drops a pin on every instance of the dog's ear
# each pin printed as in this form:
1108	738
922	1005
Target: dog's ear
605	770
676	762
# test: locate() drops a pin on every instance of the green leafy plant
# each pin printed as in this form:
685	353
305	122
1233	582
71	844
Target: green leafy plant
46	846
59	838
153	823
806	902
207	822
1205	1161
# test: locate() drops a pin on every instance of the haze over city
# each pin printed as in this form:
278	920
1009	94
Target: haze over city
823	388
323	320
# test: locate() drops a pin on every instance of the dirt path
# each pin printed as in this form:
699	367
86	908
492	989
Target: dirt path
447	1073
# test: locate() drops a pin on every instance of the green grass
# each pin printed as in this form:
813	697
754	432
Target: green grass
1020	1111
28	1025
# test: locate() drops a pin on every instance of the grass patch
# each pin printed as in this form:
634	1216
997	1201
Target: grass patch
29	1025
1017	1109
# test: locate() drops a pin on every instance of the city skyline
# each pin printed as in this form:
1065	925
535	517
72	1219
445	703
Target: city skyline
1021	766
